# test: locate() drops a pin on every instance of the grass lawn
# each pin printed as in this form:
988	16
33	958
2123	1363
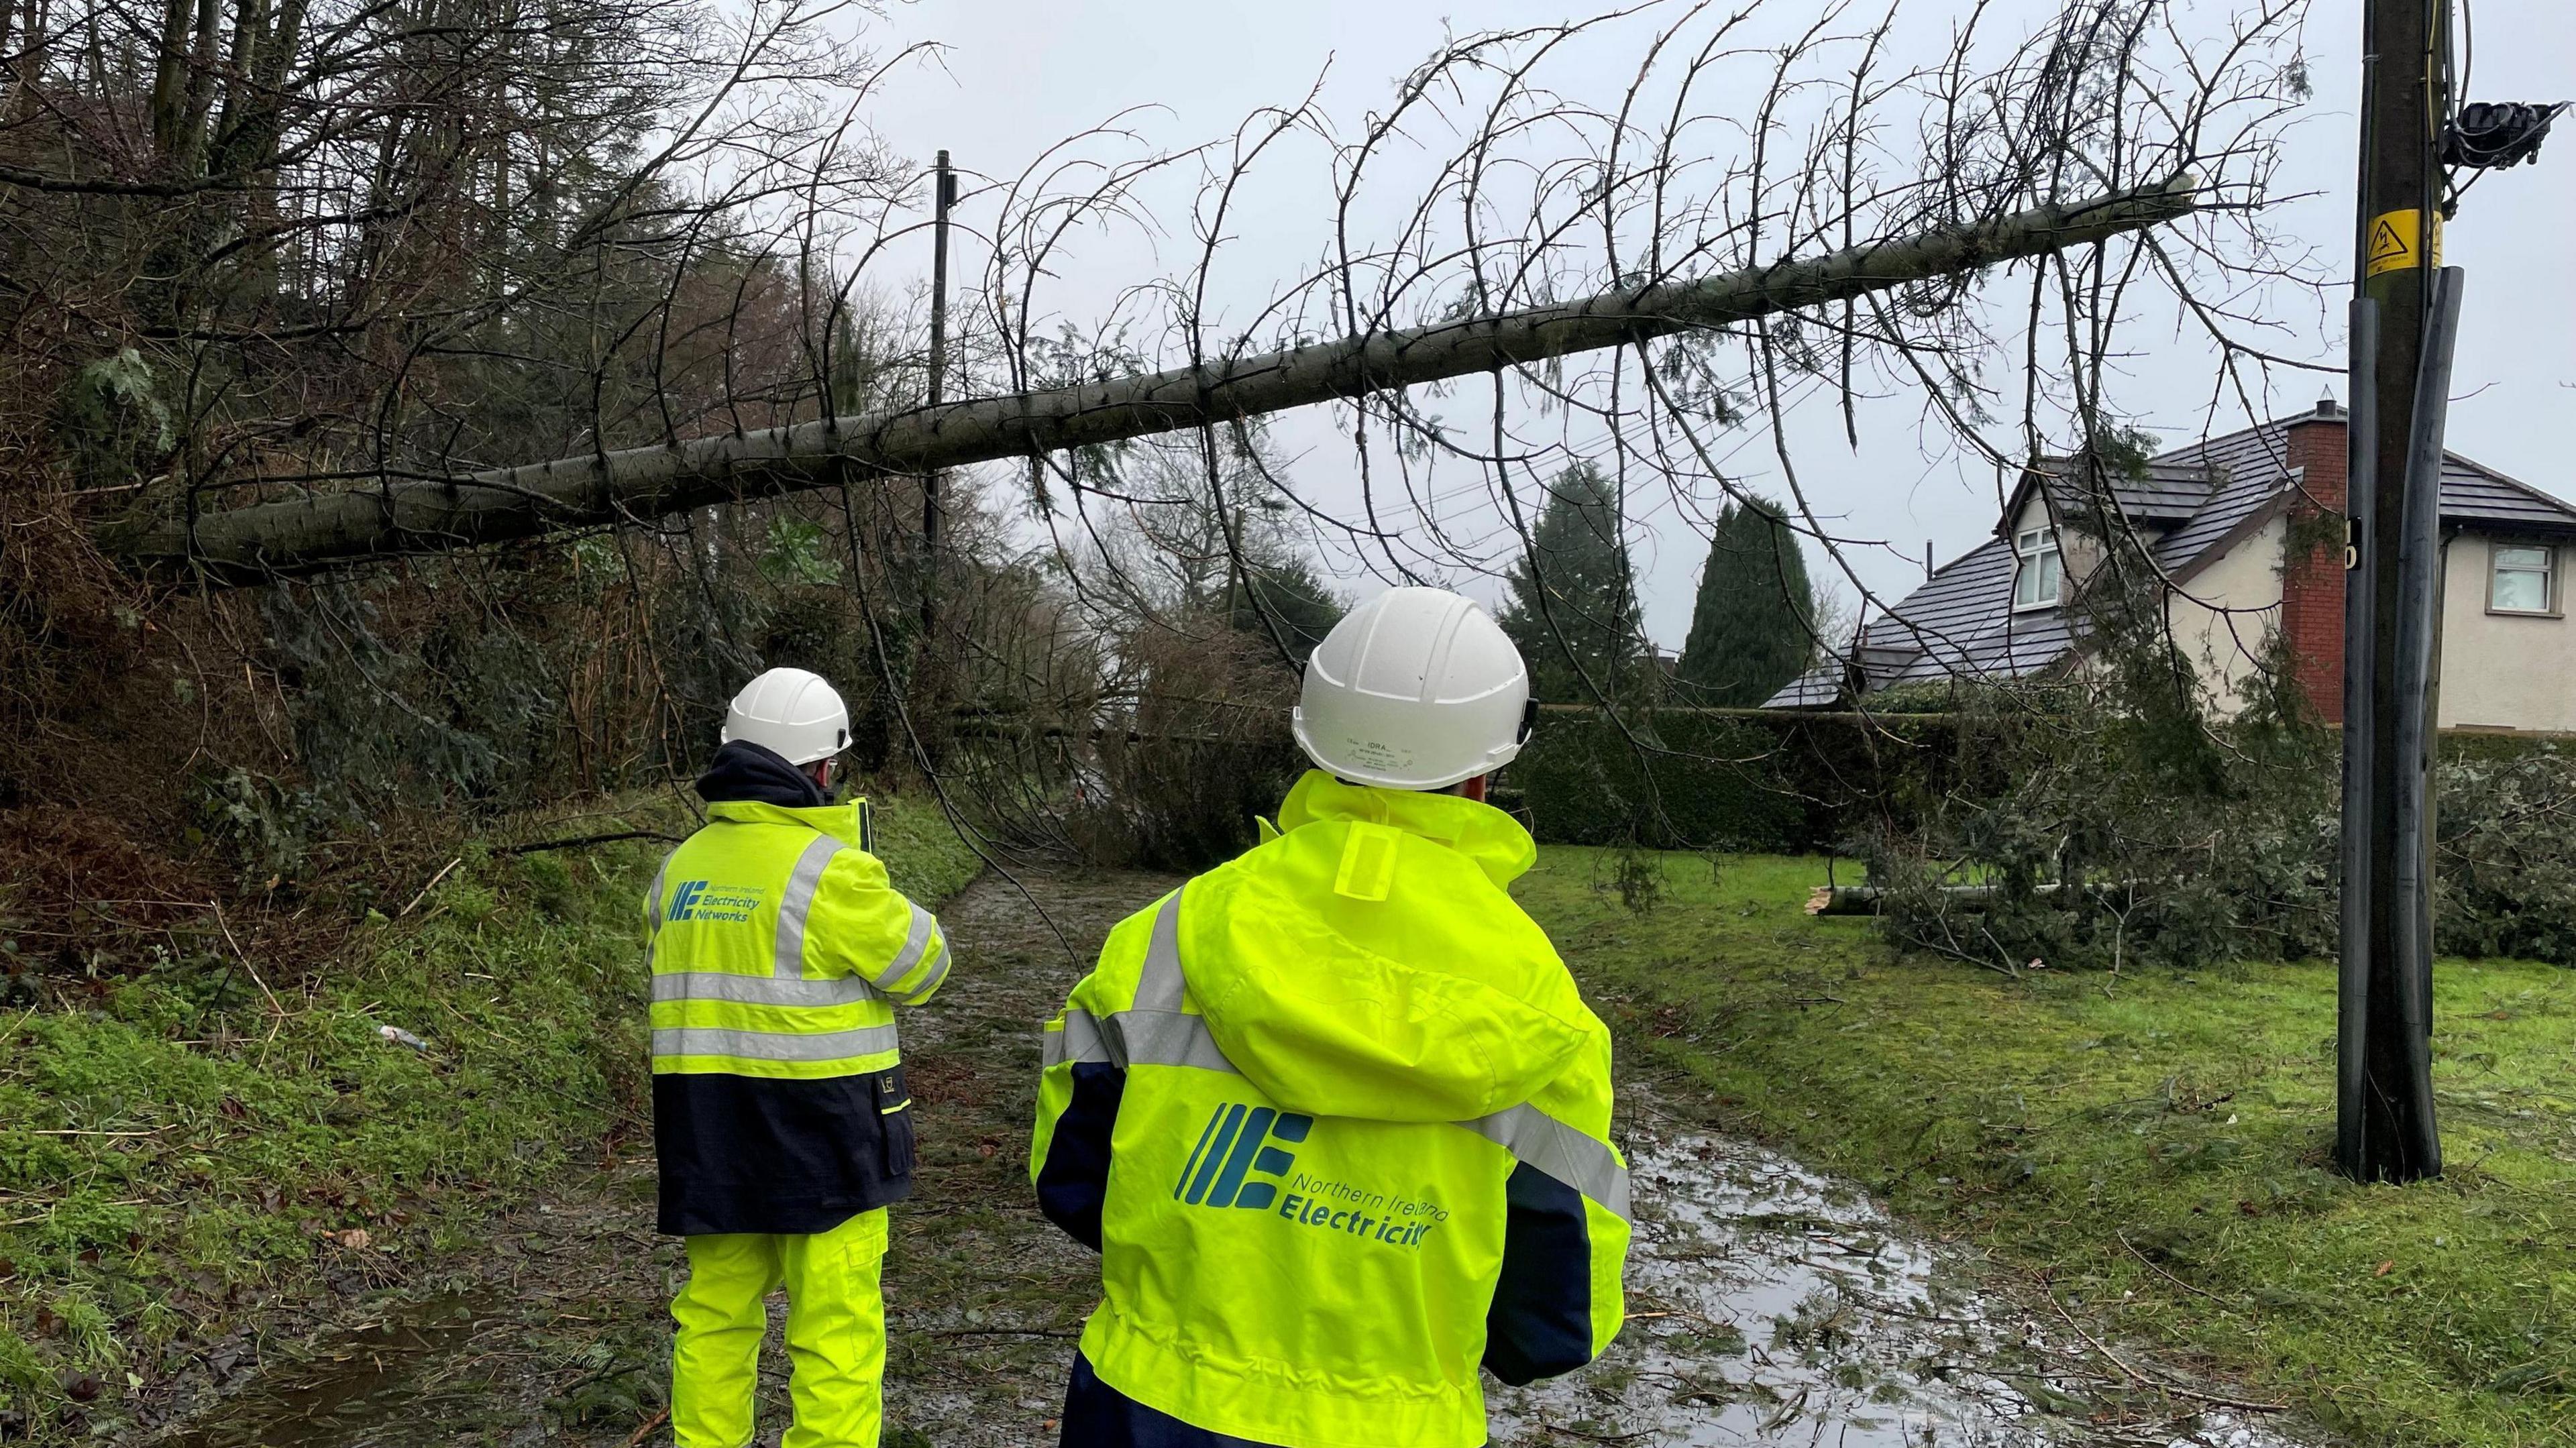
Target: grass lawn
196	1144
2154	1147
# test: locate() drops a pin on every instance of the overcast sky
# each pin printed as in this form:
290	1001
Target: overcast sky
1017	76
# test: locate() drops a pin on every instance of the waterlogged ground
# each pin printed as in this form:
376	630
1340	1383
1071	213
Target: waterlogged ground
1768	1305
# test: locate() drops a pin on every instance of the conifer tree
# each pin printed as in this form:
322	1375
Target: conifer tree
1573	609
1753	628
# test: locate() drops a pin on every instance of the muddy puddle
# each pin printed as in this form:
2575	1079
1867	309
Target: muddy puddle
1771	1305
376	1384
558	1338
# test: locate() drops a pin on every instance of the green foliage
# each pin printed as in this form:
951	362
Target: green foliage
450	711
2155	1145
264	826
1668	780
1732	778
2044	824
2504	875
800	552
924	856
2129	829
1574	610
112	421
1636	877
230	1133
2125	828
1753	628
2103	850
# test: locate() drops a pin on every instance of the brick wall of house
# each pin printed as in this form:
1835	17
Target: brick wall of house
2312	579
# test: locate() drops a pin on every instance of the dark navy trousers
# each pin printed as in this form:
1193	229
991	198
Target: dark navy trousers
1097	1415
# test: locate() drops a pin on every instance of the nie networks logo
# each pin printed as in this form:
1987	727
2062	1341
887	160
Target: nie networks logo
1233	1144
703	900
1237	1142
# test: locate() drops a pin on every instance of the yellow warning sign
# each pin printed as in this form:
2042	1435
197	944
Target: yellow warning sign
2395	237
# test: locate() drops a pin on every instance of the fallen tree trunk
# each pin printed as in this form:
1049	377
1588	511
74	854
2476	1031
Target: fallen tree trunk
1868	899
405	516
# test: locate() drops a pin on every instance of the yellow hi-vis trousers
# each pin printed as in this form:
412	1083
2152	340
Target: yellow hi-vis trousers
835	1334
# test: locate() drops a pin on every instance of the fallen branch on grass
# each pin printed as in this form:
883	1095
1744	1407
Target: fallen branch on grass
580	841
432	885
2158	1384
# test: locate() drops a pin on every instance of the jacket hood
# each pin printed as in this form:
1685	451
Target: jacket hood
1367	962
1495	841
744	771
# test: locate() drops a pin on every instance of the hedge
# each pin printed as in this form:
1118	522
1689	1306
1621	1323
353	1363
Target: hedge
1778	781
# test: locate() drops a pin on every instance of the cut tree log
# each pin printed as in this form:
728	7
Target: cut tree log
401	516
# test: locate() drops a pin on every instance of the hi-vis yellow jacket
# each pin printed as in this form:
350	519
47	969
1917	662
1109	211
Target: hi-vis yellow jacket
1338	1122
779	951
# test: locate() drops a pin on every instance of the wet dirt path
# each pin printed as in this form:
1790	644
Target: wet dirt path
1768	1305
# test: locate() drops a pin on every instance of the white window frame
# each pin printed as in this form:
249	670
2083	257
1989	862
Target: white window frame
2548	571
2038	548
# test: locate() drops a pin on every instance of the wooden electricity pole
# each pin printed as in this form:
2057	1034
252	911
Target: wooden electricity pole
2404	316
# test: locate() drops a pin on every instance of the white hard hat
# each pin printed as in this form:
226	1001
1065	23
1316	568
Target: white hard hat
791	712
1414	689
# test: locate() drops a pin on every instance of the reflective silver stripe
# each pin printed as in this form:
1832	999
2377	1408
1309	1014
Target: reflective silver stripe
799	899
653	908
1136	1038
772	1045
1540	1140
923	929
1080	1040
940	959
1166	1038
1159	983
653	897
758	990
1155	1031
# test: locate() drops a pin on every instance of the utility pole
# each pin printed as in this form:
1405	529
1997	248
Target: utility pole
2404	316
944	196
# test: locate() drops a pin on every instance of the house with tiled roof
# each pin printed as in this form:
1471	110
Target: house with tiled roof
2246	533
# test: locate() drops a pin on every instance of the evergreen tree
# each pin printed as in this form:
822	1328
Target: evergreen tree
1577	566
1297	603
1753	628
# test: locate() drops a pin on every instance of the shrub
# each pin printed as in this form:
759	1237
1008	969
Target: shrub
2504	874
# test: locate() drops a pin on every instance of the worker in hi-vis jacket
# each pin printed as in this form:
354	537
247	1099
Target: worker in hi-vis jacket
1333	1114
779	953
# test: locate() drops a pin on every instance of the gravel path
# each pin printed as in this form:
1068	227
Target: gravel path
1768	1305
